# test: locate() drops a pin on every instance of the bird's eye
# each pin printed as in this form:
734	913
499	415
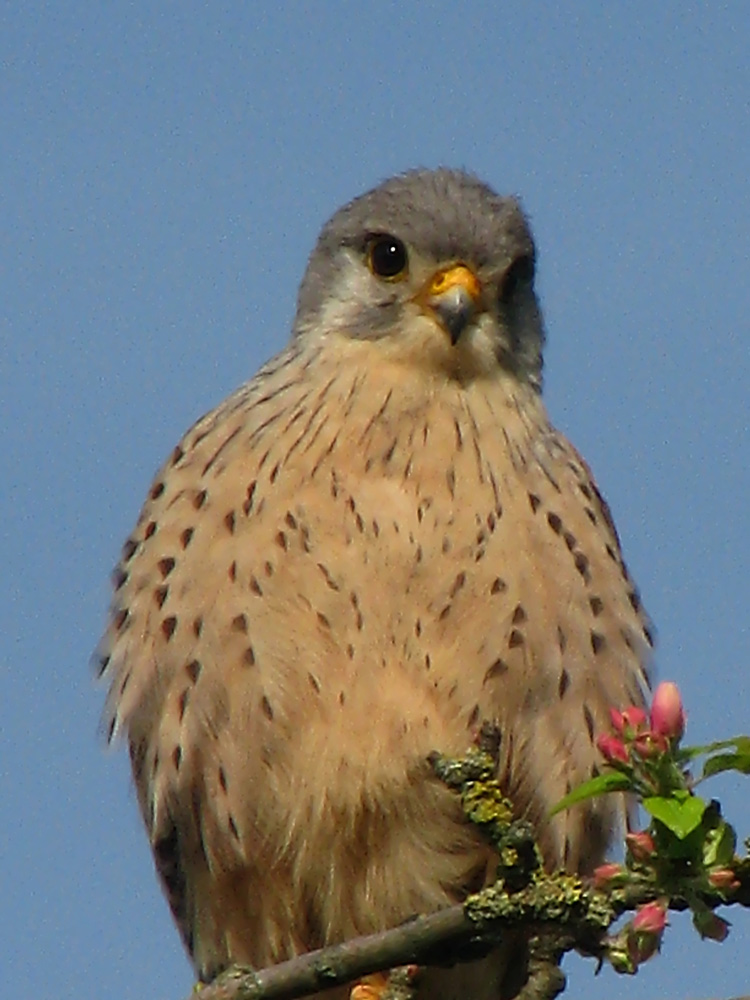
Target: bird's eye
520	272
387	257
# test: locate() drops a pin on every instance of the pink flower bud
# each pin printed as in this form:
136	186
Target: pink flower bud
650	745
641	845
723	878
667	713
628	722
651	918
612	748
712	927
606	874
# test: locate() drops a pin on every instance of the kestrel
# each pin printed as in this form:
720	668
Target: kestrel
372	546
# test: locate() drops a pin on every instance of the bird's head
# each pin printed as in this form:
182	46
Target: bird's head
438	270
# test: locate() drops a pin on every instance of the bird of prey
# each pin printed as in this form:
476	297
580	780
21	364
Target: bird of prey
371	547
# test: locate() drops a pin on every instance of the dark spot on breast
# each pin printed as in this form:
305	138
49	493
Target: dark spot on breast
597	606
473	717
129	549
562	639
268	568
444	613
247	506
342	698
229	521
233	827
232	571
499	586
519	615
590	515
612	554
563	684
274	473
388	454
265	705
635	600
177	757
200	498
168	626
314	682
197	626
555	522
598	642
459	435
193	670
588	718
255	587
160	595
186	537
648	636
330	582
496	669
156	490
182	703
458	583
417	628
166	565
291	520
239	623
177	455
570	540
119	579
281	540
248	657
450	481
627	639
222	779
323	620
150	529
350	651
491	521
427	661
446	544
515	639
534	502
582	565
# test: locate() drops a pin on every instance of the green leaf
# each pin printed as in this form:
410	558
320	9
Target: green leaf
612	781
719	846
727	762
681	814
740	744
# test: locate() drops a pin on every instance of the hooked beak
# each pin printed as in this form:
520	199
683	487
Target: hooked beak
453	297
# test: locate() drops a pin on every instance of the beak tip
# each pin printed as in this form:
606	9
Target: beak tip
455	309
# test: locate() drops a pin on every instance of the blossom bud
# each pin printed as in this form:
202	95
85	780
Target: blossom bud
612	748
667	713
651	918
723	878
650	745
641	845
710	926
605	875
628	722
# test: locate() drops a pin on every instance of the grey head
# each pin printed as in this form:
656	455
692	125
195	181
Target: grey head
429	245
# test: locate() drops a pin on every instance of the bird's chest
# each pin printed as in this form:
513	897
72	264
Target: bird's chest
414	540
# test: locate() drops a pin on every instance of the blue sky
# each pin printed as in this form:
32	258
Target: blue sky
165	168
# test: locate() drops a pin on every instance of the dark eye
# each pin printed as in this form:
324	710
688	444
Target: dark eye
387	257
520	272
